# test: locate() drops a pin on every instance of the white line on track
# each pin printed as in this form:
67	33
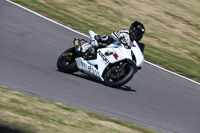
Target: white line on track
88	37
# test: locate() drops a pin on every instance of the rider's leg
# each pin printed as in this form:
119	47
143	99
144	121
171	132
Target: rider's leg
99	42
86	46
106	39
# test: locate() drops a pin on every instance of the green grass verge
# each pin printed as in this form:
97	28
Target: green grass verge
172	38
33	114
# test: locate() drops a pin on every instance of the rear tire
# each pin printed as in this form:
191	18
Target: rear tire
66	61
128	74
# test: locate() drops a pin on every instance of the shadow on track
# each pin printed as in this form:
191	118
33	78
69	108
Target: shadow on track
123	88
126	88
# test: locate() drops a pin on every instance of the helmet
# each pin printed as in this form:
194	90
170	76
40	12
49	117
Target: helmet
136	31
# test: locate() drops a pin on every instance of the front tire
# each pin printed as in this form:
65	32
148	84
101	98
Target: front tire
66	61
110	76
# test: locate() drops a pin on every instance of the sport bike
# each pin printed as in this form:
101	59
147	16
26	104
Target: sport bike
114	65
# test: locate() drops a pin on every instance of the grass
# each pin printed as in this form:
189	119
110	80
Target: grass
172	37
33	114
172	41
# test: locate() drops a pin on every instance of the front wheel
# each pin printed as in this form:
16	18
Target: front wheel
118	76
66	61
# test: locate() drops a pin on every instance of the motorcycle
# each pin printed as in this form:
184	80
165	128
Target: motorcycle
114	65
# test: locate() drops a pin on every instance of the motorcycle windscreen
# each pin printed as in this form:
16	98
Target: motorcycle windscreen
138	55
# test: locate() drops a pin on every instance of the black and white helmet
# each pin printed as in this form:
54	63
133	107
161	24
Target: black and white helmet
136	31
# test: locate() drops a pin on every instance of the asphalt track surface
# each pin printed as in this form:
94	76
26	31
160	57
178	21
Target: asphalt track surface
29	48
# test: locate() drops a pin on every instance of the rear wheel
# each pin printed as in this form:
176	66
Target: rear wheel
118	75
66	61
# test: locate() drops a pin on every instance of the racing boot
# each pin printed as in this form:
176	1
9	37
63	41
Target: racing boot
86	46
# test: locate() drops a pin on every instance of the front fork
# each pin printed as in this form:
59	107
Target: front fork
117	71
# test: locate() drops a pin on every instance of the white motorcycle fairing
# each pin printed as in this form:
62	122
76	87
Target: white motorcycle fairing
115	64
113	53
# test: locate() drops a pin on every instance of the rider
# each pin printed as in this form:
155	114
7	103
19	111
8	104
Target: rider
135	33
